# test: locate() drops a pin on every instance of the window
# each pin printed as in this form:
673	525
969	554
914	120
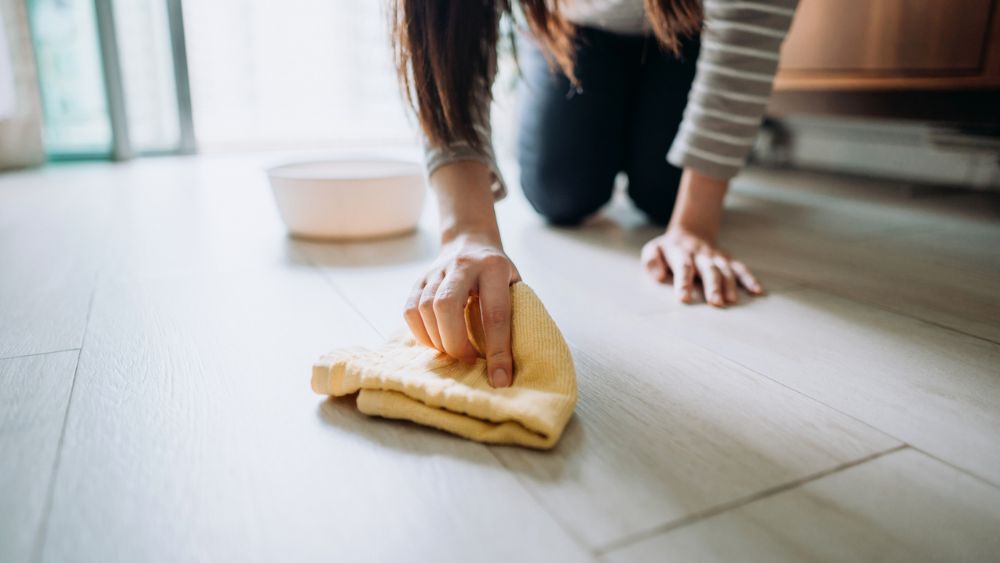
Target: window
292	73
64	34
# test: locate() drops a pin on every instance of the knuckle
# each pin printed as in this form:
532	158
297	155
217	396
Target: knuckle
459	348
444	301
411	312
493	261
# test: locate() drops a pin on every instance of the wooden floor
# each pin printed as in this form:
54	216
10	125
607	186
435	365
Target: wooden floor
157	330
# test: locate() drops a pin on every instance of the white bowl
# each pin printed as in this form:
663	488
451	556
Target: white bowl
349	198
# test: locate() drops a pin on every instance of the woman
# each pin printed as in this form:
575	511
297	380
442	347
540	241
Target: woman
669	91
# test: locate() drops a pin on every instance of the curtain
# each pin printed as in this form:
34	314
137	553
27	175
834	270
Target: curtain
20	106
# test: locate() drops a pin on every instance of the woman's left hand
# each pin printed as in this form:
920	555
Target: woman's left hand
680	256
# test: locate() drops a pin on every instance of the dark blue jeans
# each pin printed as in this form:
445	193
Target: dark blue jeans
572	143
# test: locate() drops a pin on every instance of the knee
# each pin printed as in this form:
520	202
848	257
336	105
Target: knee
657	209
565	197
655	195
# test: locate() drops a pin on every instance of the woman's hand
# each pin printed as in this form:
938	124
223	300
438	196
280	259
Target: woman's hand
679	256
688	249
471	261
435	310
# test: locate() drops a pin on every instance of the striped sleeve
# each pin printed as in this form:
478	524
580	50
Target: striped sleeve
735	74
437	156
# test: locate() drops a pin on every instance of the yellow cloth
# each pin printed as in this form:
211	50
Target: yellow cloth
407	380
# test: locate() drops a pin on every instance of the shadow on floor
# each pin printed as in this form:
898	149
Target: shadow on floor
414	439
416	246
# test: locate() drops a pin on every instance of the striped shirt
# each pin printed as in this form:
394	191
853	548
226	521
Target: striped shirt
735	72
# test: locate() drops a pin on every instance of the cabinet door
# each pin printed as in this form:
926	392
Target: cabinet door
888	36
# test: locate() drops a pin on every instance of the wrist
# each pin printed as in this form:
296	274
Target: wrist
465	233
699	205
465	202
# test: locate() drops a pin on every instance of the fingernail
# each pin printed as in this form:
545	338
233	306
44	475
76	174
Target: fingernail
500	378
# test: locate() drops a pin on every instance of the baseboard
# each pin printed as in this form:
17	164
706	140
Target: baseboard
909	151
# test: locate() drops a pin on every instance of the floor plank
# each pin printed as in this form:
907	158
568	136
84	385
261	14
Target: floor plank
34	393
904	506
177	217
929	386
664	429
850	208
195	436
52	223
940	263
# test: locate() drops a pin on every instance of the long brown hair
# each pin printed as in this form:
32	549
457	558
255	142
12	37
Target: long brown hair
444	52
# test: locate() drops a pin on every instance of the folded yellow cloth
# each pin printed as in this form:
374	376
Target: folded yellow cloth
405	379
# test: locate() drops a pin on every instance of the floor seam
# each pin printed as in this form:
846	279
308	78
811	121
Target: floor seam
336	288
43	525
958	468
802	393
540	502
806	395
33	354
881	307
798	392
739	502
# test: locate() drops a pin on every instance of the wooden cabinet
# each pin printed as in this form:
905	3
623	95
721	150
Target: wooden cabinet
892	44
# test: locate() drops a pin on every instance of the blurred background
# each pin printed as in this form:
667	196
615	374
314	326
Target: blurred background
118	79
901	89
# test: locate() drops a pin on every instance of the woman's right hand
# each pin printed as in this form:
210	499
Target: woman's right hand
468	264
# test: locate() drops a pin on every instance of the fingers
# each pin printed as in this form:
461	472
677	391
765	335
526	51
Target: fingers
728	279
746	277
711	280
426	308
449	311
653	261
678	255
495	305
683	268
411	312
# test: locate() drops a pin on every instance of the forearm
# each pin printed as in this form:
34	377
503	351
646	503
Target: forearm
698	208
465	201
